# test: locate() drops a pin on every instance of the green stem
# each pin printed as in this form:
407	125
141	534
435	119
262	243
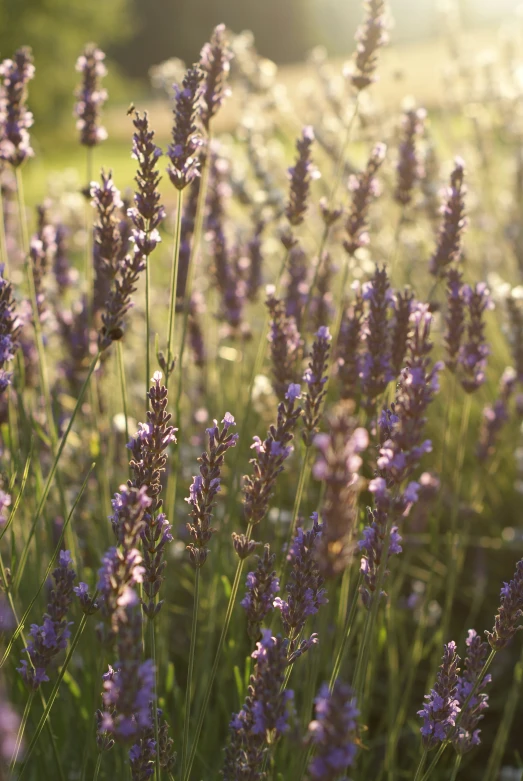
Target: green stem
455	770
52	472
192	653
88	269
502	735
421	765
152	635
304	472
174	282
4	258
20	735
347	630
21	491
97	767
123	387
147	332
216	663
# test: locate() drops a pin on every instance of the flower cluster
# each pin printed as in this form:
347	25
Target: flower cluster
142	754
183	152
315	378
9	329
467	734
448	249
270	456
90	95
370	37
473	353
442	707
50	638
119	300
205	488
301	175
262	586
215	59
147	213
403	304
337	466
410	168
455	318
376	370
506	623
349	359
305	592
375	544
15	119
334	732
147	465
364	188
496	415
42	249
285	341
264	715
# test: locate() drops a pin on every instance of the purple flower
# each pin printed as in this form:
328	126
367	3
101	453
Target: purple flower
373	542
268	463
337	465
401	325
286	344
262	586
506	623
448	249
364	188
183	152
334	732
370	37
496	415
51	637
147	213
467	735
142	754
205	488
119	300
442	707
88	604
473	353
264	715
15	119
349	347
215	59
120	572
5	503
304	588
455	319
375	370
315	378
410	167
301	175
90	96
129	684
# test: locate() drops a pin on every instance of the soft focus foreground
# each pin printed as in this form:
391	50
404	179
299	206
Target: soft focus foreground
261	426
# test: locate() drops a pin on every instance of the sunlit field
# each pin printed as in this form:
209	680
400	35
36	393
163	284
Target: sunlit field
261	404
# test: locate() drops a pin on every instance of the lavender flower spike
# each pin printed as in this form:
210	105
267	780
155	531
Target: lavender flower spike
285	341
119	300
15	144
455	319
467	735
90	96
215	60
364	188
496	415
442	707
264	715
50	638
473	354
182	153
315	378
205	488
147	213
376	370
334	732
301	175
507	621
454	222
410	168
370	37
262	586
9	329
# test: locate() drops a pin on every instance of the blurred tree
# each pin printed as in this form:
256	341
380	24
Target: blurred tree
57	31
283	29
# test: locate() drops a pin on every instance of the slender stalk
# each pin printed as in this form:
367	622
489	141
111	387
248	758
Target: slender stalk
4	258
456	767
20	735
147	332
97	767
347	630
174	282
52	472
123	387
502	735
152	635
88	268
216	663
304	473
192	653
21	491
421	765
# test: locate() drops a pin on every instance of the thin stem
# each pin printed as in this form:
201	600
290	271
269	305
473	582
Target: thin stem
4	258
192	653
304	473
174	282
52	471
421	765
343	150
88	269
20	735
455	770
152	635
147	332
21	491
123	387
347	629
216	663
97	767
502	735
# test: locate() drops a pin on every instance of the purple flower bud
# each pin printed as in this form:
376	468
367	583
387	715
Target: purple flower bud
364	188
183	152
215	60
442	707
454	222
90	96
334	732
262	586
510	611
473	353
370	37
15	119
301	175
315	378
286	345
410	168
467	735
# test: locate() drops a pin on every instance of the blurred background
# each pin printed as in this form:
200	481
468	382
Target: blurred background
138	34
